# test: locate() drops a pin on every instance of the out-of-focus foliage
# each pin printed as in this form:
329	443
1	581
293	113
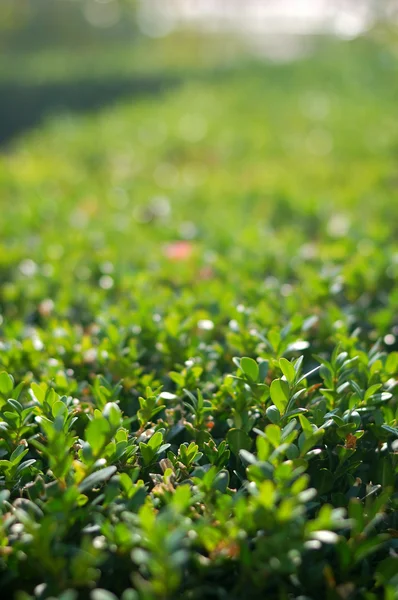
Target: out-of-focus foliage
46	41
33	24
198	341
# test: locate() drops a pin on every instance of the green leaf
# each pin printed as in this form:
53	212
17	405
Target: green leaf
238	440
387	570
38	392
288	370
156	441
59	408
5	464
113	414
356	513
371	390
250	368
392	430
6	384
221	481
273	414
263	369
288	430
24	465
274	434
236	360
96	478
392	363
279	391
12	416
306	426
97	434
311	441
19	452
247	457
369	545
147	453
15	404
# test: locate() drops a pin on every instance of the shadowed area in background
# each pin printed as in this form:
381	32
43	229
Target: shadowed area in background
23	106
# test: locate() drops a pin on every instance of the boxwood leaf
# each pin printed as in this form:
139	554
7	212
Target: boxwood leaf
250	368
96	478
287	369
279	391
238	440
6	383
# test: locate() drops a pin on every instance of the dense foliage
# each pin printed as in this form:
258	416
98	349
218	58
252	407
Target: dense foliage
198	342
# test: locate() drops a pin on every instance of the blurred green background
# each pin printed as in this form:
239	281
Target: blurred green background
81	54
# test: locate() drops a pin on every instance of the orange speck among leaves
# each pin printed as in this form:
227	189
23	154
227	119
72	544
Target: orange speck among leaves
181	250
351	441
